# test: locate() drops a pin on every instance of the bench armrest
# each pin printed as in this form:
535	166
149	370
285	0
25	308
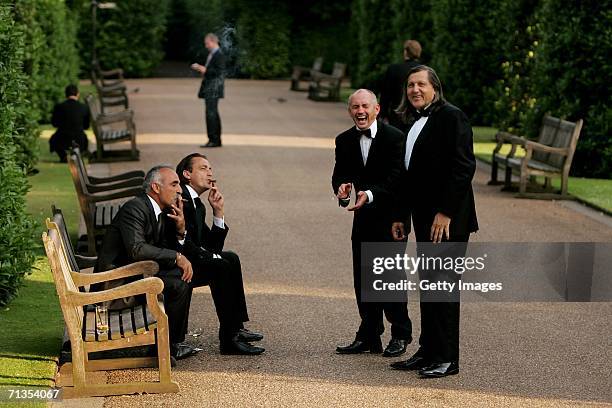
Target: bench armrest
117	177
146	268
96	198
150	285
529	145
133	182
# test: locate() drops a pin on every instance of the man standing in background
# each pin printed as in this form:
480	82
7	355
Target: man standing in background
212	87
393	81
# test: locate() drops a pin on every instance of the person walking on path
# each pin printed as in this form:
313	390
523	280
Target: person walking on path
369	158
212	88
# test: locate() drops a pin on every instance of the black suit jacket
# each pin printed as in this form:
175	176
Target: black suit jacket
391	91
212	86
210	239
373	221
70	118
439	177
133	236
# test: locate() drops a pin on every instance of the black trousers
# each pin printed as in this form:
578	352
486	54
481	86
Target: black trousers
225	279
439	339
213	120
371	313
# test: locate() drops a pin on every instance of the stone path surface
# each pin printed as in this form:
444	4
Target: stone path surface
293	239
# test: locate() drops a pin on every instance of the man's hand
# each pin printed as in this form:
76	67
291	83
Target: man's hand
215	198
398	231
178	216
197	67
362	199
440	228
344	191
183	263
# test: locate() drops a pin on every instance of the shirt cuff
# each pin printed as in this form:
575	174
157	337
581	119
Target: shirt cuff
370	196
182	241
219	222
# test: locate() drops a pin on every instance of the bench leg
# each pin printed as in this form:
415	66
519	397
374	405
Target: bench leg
523	183
494	167
508	178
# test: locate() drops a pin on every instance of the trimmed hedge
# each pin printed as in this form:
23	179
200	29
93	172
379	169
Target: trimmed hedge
130	36
16	227
263	38
572	74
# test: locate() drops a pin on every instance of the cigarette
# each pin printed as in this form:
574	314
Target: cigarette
213	180
184	200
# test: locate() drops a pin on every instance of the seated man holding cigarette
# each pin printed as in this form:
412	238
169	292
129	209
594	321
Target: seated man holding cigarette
213	266
152	226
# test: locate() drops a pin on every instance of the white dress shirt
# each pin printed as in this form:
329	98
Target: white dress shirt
218	221
365	143
411	139
157	209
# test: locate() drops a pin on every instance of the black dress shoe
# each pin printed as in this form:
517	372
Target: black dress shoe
359	346
235	346
211	144
181	350
396	347
440	370
415	362
246	335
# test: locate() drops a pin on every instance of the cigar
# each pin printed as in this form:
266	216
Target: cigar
213	180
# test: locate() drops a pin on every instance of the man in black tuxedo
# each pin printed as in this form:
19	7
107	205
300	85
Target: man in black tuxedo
151	226
369	158
71	118
435	190
212	87
393	81
213	266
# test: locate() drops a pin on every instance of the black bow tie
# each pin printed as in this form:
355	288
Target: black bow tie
422	113
366	133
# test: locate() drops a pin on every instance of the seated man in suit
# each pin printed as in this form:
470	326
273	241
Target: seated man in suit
213	266
151	226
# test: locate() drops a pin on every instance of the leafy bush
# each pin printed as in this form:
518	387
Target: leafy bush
465	55
514	92
16	242
129	36
572	77
263	38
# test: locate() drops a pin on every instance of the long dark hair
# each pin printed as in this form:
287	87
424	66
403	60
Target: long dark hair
405	110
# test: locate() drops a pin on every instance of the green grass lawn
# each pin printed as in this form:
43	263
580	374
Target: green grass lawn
596	192
32	325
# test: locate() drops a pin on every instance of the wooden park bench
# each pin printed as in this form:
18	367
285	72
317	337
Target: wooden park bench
112	128
551	156
96	184
326	87
111	92
140	325
99	203
304	74
109	77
